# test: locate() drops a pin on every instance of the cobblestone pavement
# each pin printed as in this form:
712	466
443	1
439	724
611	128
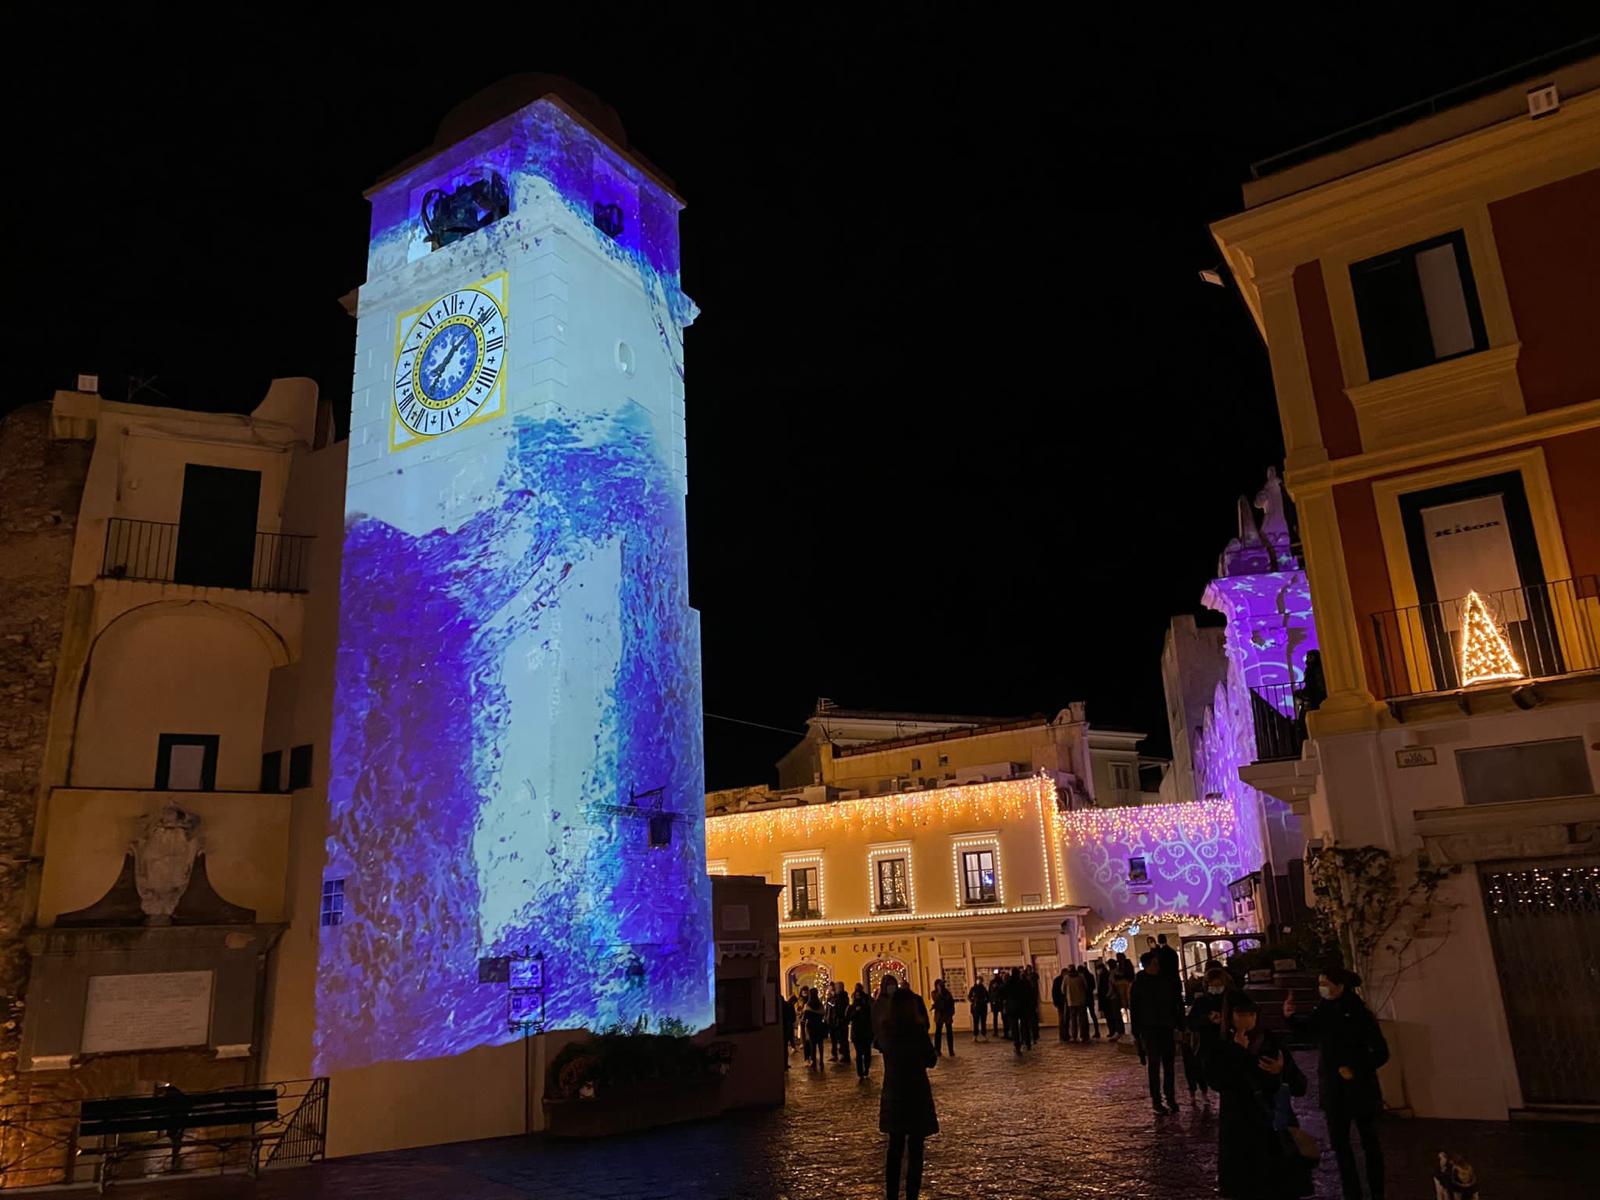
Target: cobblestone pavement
1066	1121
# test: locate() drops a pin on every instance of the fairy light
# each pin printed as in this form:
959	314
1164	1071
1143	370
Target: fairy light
895	814
1485	654
717	866
1044	843
894	850
891	918
1133	924
1192	820
960	846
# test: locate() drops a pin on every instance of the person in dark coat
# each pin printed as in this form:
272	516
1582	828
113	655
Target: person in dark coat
1017	1004
787	1011
1156	1017
1256	1077
1171	968
1352	1049
905	1109
1204	1028
859	1017
816	1019
1110	1002
997	1003
978	1001
1089	1002
944	1016
1058	997
838	1024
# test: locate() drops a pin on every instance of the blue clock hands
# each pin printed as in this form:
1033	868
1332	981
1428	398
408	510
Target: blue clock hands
455	345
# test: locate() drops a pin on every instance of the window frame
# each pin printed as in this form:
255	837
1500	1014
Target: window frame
810	880
330	915
802	860
166	742
1364	268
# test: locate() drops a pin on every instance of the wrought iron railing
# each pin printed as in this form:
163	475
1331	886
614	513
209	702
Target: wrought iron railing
1552	629
1280	721
159	551
41	1146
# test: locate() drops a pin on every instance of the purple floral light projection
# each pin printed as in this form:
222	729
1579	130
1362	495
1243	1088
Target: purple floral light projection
1263	592
1154	858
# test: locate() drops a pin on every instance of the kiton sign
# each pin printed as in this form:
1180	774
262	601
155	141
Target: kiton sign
1439	533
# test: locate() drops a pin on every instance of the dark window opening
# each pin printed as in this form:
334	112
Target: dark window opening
1417	305
217	527
272	771
738	1005
803	893
608	219
300	767
1136	870
186	762
979	877
893	891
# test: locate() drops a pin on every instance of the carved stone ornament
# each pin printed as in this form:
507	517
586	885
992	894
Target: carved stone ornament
163	858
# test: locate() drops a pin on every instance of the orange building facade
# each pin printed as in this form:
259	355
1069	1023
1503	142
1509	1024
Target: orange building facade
1430	300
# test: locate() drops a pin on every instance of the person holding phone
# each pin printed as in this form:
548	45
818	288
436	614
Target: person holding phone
1258	1157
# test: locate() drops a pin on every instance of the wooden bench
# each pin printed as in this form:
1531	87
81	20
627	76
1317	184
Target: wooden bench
174	1114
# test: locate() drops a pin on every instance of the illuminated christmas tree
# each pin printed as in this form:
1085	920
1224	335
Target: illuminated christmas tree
1485	654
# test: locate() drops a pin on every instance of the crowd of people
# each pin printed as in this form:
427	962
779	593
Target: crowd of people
1212	1027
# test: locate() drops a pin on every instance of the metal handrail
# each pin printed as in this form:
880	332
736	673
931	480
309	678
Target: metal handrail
1552	629
153	551
40	1144
1279	720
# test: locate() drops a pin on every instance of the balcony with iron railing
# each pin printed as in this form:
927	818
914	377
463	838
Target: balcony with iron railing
1278	712
163	552
1551	630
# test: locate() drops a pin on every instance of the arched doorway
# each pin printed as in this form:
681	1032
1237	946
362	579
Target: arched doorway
809	975
872	974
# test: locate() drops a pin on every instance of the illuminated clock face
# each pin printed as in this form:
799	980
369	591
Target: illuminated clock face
450	359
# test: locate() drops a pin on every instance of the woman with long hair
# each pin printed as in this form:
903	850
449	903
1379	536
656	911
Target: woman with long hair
905	1109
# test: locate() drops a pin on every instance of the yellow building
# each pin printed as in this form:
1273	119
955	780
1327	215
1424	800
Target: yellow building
938	882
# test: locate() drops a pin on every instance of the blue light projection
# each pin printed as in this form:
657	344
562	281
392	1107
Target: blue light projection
518	661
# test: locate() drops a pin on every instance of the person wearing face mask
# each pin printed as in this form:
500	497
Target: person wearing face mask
1256	1077
1352	1049
1204	1030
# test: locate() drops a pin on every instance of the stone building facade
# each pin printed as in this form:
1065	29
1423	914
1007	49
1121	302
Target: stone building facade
41	479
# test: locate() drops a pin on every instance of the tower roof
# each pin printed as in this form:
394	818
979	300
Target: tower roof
506	96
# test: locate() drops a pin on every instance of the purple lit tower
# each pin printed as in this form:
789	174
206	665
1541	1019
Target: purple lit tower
516	759
1251	725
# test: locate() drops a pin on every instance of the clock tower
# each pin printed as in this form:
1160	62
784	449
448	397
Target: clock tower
516	755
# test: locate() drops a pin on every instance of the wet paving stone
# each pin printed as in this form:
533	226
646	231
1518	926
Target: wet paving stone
1065	1121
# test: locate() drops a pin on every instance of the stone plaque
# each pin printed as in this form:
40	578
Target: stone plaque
1416	756
147	1012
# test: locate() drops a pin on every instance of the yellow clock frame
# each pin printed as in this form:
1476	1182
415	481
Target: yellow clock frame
401	435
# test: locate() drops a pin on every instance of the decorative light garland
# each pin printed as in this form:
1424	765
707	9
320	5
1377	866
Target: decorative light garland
896	813
1082	826
1133	924
717	866
1485	654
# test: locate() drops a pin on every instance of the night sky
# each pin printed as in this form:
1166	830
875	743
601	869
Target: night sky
965	428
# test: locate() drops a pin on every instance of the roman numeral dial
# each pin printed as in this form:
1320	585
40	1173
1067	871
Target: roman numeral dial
449	359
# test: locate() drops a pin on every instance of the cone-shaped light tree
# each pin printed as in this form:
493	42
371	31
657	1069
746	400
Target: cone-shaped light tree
1485	654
